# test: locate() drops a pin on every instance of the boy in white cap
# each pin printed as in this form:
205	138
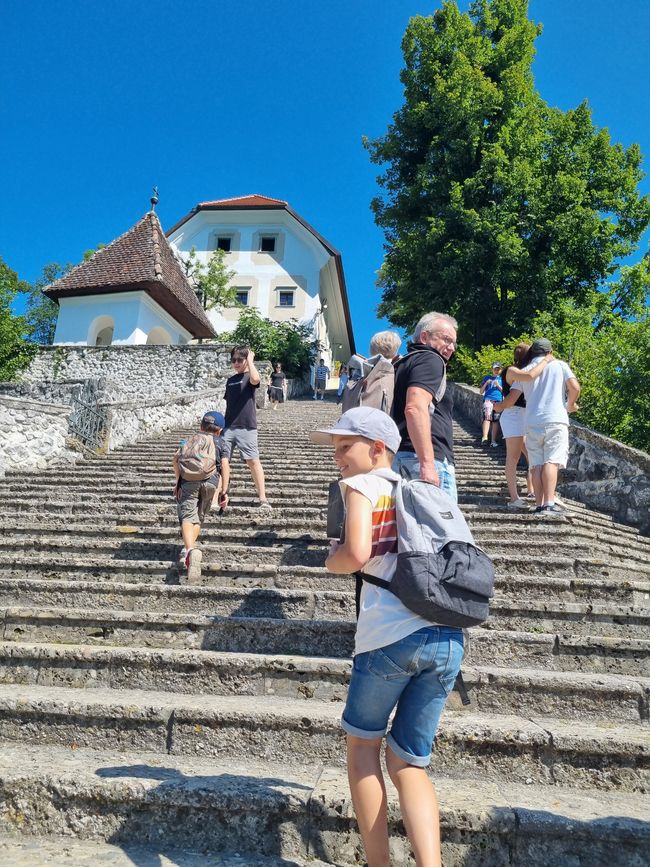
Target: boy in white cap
401	660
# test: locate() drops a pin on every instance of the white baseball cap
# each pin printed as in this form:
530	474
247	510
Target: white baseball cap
362	421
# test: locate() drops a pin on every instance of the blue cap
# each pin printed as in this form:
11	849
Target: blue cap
362	421
215	418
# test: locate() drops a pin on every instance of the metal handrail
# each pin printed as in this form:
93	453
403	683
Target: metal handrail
88	423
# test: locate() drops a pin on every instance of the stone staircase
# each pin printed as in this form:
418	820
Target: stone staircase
144	722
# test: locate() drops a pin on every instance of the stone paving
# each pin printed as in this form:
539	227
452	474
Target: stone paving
147	722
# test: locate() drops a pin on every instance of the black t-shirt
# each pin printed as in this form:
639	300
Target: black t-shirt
240	402
521	400
425	370
277	379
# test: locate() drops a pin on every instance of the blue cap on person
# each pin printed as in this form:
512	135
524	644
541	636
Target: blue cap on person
362	421
215	418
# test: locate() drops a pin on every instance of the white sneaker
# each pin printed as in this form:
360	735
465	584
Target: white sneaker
518	505
194	557
264	504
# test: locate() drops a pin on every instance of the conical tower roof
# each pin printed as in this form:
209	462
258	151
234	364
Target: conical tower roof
140	259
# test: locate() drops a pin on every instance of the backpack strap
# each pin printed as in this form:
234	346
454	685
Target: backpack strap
372	579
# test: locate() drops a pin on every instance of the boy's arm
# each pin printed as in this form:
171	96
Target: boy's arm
177	472
224	480
354	553
253	373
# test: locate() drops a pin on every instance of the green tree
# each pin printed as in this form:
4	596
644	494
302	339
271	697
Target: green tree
211	281
15	350
41	312
290	343
495	205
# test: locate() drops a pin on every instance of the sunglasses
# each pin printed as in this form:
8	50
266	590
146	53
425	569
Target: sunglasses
238	360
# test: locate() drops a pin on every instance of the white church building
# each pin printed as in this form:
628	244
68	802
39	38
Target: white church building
135	291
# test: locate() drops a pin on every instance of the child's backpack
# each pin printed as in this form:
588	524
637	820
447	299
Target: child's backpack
197	457
441	574
375	389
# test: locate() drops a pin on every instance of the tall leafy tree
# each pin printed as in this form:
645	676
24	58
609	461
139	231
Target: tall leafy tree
495	205
15	350
41	312
211	281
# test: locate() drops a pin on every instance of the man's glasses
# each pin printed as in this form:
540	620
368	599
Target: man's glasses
446	339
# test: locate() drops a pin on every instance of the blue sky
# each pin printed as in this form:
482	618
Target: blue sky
101	99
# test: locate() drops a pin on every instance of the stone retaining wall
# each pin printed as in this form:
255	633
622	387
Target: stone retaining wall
131	372
32	434
134	421
602	472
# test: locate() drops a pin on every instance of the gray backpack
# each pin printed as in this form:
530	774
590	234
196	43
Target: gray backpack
441	574
374	389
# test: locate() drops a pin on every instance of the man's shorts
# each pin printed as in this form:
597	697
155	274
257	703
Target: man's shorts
321	384
416	674
194	500
548	445
244	440
488	411
408	466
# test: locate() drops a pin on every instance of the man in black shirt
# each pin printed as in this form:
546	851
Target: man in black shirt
423	408
241	415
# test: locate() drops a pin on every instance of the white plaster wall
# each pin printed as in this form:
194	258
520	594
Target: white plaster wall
134	315
303	255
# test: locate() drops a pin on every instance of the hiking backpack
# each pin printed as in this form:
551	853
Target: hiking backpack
197	458
375	389
441	574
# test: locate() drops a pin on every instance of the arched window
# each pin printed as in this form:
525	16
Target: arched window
159	337
101	331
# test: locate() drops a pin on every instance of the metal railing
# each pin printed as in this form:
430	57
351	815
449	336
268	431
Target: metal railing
88	423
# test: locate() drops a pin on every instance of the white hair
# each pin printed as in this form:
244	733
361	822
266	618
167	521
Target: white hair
428	321
385	343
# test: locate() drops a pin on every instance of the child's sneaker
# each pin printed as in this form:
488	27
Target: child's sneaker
265	505
518	505
193	563
494	445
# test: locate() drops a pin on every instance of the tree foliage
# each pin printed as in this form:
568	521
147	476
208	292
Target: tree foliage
495	205
15	350
211	281
290	343
41	312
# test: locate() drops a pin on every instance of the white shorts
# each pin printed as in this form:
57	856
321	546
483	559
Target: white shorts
548	445
513	422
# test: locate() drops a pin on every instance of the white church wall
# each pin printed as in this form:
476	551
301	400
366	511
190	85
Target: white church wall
296	265
133	314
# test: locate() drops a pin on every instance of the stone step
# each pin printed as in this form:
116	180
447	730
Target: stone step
147	592
28	851
300	812
497	689
546	751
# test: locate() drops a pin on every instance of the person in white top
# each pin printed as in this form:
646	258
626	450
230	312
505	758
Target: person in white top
549	400
402	662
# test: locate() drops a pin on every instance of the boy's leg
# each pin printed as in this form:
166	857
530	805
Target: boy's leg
189	534
257	472
419	807
369	798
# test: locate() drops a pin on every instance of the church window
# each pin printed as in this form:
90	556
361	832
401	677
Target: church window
267	243
241	296
285	298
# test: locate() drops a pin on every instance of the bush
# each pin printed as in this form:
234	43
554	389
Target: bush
290	343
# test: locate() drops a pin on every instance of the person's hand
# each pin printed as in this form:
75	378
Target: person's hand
251	356
497	405
428	473
572	407
334	546
223	501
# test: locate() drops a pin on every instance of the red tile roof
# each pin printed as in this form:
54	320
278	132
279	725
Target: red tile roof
252	201
139	259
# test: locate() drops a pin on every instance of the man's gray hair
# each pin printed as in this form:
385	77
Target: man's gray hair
386	343
428	322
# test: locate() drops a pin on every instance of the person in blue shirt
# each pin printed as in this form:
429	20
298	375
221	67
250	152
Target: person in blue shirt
492	391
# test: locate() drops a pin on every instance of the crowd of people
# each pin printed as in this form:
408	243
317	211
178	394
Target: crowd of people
404	666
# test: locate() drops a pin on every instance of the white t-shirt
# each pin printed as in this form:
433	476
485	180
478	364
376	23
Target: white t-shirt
545	400
382	617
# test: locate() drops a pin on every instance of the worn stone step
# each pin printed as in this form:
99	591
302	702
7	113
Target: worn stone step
297	811
496	689
28	851
546	750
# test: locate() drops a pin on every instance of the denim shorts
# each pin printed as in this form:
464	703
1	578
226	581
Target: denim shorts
416	674
408	466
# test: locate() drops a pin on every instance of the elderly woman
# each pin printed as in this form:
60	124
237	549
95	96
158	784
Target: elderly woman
386	343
